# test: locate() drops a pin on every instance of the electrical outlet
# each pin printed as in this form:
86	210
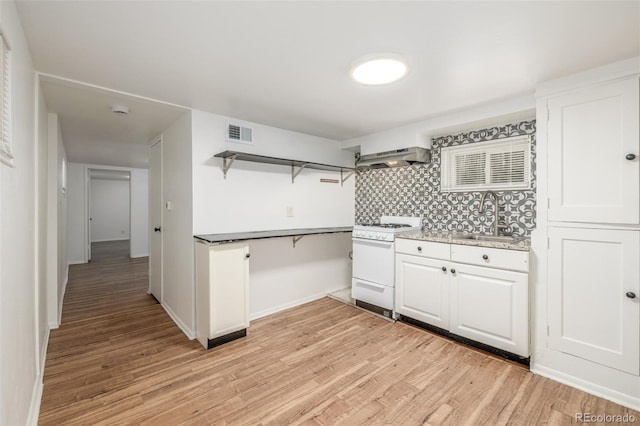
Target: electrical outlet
289	211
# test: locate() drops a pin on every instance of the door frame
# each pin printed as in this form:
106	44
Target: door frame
87	206
157	141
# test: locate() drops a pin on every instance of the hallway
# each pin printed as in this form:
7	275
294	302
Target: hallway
109	339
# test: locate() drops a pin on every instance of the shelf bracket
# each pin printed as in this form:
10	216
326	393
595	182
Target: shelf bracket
295	173
227	162
296	239
344	178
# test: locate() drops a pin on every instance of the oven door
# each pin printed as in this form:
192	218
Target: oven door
376	294
374	261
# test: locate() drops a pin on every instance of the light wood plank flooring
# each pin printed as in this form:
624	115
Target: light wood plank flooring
119	359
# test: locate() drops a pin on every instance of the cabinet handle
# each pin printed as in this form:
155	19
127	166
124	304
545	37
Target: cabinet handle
485	257
248	255
157	229
453	271
631	295
419	248
630	157
444	269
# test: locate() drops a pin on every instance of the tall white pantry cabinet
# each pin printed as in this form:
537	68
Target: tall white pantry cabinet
587	244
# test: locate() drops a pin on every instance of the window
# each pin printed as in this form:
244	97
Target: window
502	164
5	102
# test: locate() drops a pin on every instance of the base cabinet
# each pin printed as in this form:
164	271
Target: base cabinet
594	292
490	306
457	293
222	292
422	289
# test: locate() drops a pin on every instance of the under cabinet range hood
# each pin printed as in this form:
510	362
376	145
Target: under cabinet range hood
395	158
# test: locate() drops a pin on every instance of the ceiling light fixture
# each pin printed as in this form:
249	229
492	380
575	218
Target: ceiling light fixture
379	69
120	109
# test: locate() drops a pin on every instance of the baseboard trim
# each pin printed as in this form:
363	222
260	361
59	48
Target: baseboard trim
181	325
62	293
288	305
589	387
38	387
36	399
77	262
43	351
137	255
110	239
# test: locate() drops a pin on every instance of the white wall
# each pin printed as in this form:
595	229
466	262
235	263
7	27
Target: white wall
420	133
139	227
76	211
41	228
109	210
177	225
57	263
255	196
282	276
20	383
78	186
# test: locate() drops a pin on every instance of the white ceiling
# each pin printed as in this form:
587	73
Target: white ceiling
285	64
93	134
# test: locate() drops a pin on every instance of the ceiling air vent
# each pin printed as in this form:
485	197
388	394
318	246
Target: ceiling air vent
240	134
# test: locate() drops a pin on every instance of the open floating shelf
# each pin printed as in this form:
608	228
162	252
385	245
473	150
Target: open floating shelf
230	156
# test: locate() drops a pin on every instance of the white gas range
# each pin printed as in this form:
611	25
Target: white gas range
373	283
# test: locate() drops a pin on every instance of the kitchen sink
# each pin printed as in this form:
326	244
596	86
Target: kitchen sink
486	238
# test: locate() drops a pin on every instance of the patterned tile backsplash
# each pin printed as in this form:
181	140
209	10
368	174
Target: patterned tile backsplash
415	191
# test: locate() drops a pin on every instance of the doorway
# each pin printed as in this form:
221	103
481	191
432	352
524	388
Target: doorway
109	208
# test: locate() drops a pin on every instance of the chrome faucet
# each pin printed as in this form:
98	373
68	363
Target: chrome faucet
495	212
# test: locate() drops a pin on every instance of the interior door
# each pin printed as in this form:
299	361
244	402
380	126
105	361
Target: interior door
594	283
89	212
155	220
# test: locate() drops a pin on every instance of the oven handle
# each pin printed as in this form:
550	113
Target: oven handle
365	283
371	242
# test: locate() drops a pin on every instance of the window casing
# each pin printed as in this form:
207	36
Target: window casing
501	164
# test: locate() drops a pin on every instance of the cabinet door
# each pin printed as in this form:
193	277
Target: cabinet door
590	315
491	306
590	133
421	289
222	289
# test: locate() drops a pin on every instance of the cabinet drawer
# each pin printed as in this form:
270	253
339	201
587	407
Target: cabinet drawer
423	248
494	258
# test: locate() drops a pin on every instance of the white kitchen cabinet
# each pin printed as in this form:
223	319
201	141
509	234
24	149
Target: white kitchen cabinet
594	154
586	241
594	289
475	292
490	306
222	292
422	290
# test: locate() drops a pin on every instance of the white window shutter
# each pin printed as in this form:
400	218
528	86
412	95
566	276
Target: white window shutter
502	164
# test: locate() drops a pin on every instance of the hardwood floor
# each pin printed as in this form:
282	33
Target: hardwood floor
119	359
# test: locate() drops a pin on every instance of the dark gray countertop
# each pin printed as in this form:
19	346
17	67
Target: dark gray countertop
255	235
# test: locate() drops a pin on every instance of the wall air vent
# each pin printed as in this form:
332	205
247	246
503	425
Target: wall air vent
239	134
